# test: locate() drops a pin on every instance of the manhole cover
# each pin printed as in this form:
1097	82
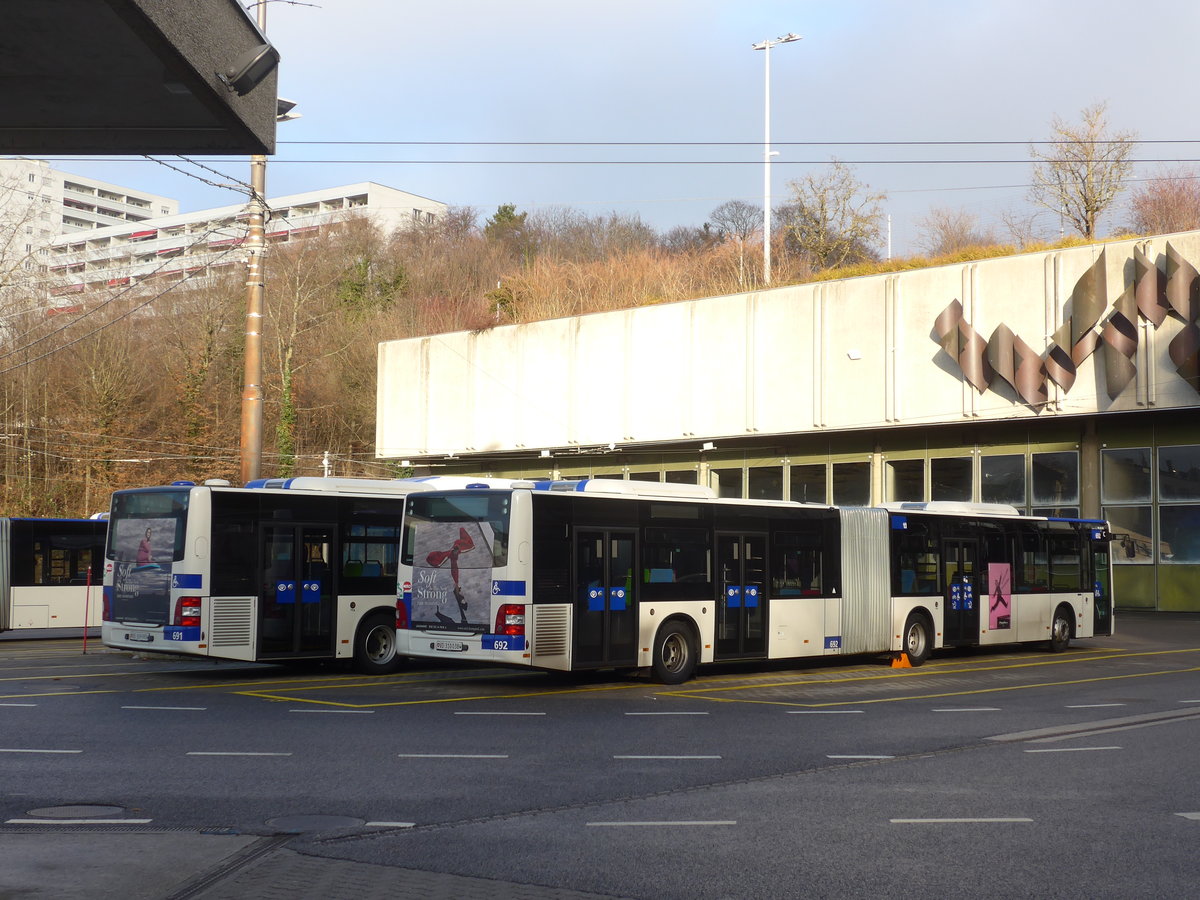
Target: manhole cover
314	823
76	812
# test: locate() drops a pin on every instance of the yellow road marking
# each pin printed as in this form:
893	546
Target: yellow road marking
432	700
722	684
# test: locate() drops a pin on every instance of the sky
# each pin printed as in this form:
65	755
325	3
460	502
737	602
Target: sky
543	103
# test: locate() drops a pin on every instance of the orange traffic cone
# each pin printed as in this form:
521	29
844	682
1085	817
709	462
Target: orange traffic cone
900	661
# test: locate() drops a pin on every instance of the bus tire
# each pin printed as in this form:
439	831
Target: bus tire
375	645
918	638
674	652
1060	630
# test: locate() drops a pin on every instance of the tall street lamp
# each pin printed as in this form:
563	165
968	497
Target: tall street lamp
766	46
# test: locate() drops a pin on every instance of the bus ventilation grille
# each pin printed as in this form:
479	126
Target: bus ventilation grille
551	630
232	621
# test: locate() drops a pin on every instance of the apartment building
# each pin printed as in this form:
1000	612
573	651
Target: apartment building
41	203
186	246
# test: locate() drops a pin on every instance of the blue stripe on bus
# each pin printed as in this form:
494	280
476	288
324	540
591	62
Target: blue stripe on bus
505	642
185	582
508	589
176	633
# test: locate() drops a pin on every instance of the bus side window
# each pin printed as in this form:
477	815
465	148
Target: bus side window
916	562
1066	563
1034	571
796	565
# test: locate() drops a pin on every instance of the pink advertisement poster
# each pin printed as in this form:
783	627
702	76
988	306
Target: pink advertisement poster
999	596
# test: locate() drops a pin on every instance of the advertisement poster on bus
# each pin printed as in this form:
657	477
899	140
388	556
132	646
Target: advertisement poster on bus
1000	596
452	576
144	550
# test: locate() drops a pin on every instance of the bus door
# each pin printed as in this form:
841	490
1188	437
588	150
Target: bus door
296	601
960	559
1102	603
742	605
605	598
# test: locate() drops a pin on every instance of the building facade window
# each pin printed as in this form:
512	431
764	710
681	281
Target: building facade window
851	484
1179	503
1002	479
1055	484
950	478
905	480
807	483
727	482
765	483
1126	493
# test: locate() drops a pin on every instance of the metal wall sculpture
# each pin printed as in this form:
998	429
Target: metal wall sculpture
1153	295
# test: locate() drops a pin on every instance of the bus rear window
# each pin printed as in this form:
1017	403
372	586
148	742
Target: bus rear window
164	514
486	508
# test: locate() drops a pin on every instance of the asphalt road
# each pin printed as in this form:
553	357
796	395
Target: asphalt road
993	773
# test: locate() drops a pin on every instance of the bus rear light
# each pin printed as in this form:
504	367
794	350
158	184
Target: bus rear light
187	612
401	614
510	619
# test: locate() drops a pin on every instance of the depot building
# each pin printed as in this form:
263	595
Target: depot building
1065	383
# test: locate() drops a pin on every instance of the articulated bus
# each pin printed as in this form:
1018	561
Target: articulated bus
631	575
280	570
47	569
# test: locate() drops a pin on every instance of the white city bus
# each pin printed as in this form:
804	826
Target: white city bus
48	568
280	570
610	574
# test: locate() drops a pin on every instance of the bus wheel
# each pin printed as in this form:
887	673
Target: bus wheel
918	638
375	645
1060	630
674	653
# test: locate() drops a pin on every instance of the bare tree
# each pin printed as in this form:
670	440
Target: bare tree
1168	203
1083	169
689	238
738	221
944	230
834	218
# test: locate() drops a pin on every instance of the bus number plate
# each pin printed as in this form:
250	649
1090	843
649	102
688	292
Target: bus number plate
449	645
143	638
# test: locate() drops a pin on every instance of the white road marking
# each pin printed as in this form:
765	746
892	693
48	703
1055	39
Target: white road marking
666	714
823	712
18	704
963	821
856	756
390	824
1070	749
452	755
971	709
24	750
1094	705
630	756
654	824
179	708
344	712
231	753
1195	816
500	714
78	821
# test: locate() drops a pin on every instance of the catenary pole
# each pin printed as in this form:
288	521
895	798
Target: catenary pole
252	396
